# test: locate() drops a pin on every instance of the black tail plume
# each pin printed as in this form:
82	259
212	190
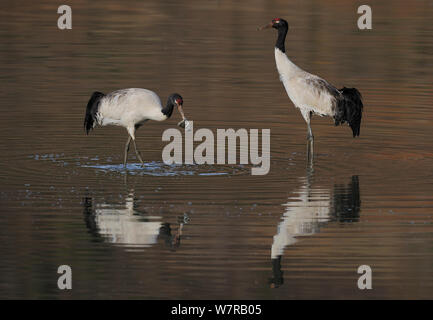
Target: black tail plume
349	109
92	110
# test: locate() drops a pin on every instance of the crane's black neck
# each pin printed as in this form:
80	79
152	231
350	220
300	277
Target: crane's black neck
282	32
168	109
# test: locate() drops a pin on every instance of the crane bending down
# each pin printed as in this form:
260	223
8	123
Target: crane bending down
312	94
129	108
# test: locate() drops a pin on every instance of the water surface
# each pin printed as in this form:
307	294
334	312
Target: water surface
191	231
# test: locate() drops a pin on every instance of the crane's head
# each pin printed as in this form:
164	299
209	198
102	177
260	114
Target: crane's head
176	99
276	23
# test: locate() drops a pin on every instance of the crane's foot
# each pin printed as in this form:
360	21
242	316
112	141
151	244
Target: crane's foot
139	158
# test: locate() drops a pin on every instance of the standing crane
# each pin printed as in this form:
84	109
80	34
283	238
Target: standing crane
129	108
312	94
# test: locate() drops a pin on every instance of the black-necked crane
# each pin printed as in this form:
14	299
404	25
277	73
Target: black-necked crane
312	94
129	108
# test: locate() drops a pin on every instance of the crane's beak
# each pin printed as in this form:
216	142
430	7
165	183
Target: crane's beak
266	26
179	107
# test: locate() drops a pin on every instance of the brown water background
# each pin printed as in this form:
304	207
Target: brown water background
299	232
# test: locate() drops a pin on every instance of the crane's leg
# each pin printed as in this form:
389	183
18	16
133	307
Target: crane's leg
307	116
131	131
126	150
310	138
310	144
310	132
137	153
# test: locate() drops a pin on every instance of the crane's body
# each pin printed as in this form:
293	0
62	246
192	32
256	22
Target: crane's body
304	89
119	108
129	108
119	105
312	94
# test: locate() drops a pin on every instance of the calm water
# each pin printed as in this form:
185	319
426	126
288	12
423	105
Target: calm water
215	231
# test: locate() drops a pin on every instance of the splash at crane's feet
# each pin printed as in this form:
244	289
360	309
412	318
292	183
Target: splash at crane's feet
74	164
156	168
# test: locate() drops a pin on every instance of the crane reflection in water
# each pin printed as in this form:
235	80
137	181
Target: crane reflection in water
127	226
308	210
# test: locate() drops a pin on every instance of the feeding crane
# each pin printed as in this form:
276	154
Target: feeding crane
129	108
